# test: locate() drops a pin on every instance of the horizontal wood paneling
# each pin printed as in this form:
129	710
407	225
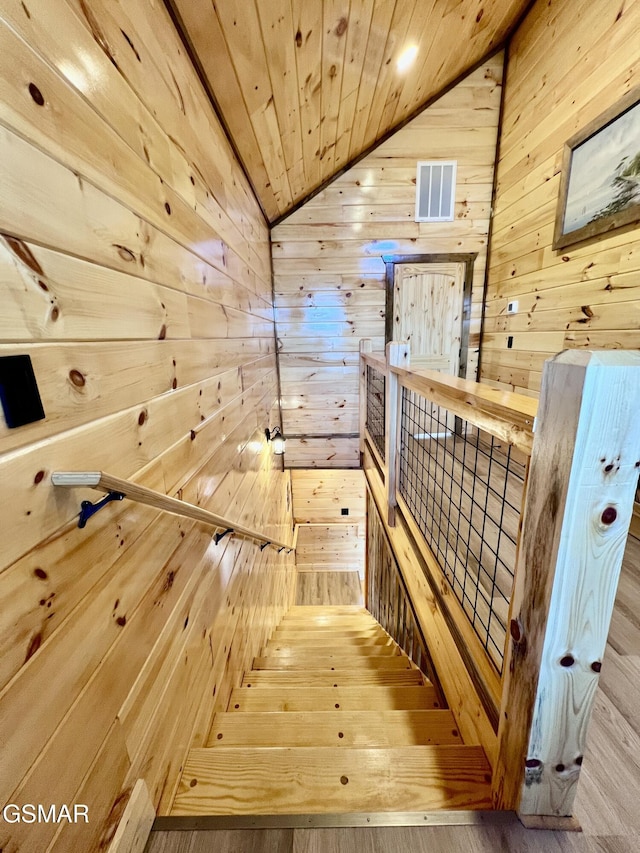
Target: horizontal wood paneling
564	70
305	87
319	496
328	268
135	271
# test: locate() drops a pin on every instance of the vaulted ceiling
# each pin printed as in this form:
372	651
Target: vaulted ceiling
305	86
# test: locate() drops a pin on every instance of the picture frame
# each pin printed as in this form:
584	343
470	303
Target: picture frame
600	177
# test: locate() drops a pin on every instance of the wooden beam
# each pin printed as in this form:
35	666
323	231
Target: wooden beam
582	481
365	347
397	356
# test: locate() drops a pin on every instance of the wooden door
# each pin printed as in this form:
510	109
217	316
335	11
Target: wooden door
427	312
428	304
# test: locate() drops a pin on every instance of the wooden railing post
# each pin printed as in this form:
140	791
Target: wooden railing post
582	479
397	356
365	346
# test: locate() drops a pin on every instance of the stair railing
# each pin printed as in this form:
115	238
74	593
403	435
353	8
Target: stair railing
520	513
119	489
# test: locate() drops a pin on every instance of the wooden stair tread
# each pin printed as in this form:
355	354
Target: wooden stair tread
361	698
348	729
330	622
293	634
291	652
327	608
306	780
339	677
335	661
276	644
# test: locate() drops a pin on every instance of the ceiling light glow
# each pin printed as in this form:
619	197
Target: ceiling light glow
407	57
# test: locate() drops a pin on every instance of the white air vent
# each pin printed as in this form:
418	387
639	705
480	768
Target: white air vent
435	190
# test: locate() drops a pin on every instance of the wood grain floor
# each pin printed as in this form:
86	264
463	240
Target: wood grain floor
329	588
607	804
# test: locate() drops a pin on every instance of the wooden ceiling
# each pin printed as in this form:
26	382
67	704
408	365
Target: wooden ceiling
305	86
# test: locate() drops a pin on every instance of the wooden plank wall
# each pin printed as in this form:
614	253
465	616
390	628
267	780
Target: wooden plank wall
327	540
328	271
568	63
135	270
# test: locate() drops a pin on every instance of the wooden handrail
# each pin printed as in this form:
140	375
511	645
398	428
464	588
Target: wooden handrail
507	415
134	492
376	360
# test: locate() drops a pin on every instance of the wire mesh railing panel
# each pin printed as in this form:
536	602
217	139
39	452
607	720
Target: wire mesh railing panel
375	407
465	490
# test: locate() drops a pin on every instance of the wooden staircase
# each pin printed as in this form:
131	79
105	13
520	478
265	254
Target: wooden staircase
335	719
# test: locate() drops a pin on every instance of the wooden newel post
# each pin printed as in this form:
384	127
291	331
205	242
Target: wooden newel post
397	356
365	346
584	470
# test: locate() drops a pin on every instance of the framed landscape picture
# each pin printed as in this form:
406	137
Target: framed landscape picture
600	180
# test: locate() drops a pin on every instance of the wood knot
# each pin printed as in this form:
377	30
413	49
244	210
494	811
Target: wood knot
38	478
142	417
41	574
341	26
344	780
609	515
479	16
596	666
77	378
167	207
515	629
125	254
36	94
567	661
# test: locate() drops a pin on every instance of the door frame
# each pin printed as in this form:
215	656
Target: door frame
466	258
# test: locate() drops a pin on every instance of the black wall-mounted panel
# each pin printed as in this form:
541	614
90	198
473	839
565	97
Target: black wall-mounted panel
19	393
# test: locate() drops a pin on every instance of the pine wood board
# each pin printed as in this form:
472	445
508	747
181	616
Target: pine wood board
70	138
296	634
171	97
416	778
294	653
323	729
318	453
326	678
326	699
335	587
311	642
549	96
370	662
